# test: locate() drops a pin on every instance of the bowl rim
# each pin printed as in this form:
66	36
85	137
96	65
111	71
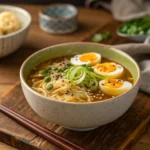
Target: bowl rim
77	43
20	10
42	15
133	36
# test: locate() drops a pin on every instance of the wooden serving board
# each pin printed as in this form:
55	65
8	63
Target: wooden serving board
118	135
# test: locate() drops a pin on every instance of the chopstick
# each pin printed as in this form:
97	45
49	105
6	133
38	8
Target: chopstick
42	131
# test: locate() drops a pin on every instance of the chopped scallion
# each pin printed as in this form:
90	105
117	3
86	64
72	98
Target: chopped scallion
43	72
47	79
49	86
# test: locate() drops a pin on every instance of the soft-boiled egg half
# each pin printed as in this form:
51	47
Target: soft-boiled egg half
86	58
114	87
108	69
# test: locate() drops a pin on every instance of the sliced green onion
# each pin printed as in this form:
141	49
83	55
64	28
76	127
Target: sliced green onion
84	65
47	79
54	68
49	86
43	72
106	35
60	70
82	76
97	38
90	69
68	65
136	26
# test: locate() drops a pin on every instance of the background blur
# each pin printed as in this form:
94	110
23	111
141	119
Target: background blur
75	2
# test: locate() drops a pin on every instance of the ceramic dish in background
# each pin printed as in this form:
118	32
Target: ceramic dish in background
80	116
58	19
137	29
12	41
137	38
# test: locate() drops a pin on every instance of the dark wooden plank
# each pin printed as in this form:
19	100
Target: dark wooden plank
16	141
112	27
119	134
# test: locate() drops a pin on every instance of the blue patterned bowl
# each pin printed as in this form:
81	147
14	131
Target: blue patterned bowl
58	19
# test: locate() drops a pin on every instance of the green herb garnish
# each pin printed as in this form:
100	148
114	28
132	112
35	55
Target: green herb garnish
54	68
47	79
68	65
106	35
44	72
100	37
137	26
60	70
49	86
97	38
89	68
84	77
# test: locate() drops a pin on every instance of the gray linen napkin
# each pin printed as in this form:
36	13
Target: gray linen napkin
124	10
140	53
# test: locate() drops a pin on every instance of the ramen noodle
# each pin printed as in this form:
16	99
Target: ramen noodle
82	78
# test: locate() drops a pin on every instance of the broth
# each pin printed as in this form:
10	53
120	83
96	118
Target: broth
97	95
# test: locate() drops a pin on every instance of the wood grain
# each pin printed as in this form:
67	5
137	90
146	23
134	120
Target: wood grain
6	147
90	21
120	134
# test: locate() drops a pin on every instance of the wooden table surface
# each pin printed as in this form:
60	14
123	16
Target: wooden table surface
9	66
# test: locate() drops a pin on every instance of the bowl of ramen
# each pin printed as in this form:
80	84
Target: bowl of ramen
80	86
14	26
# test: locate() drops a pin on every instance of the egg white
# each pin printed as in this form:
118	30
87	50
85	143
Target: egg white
75	60
115	91
115	74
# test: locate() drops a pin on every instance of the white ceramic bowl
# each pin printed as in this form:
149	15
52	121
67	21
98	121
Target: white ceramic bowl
11	42
137	38
79	116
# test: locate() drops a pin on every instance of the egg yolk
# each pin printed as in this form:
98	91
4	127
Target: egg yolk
88	57
113	83
106	67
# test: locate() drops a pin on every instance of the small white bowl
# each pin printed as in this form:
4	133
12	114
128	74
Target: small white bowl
137	37
79	116
12	41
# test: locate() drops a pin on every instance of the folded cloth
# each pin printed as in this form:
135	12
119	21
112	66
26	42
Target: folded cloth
123	10
140	53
